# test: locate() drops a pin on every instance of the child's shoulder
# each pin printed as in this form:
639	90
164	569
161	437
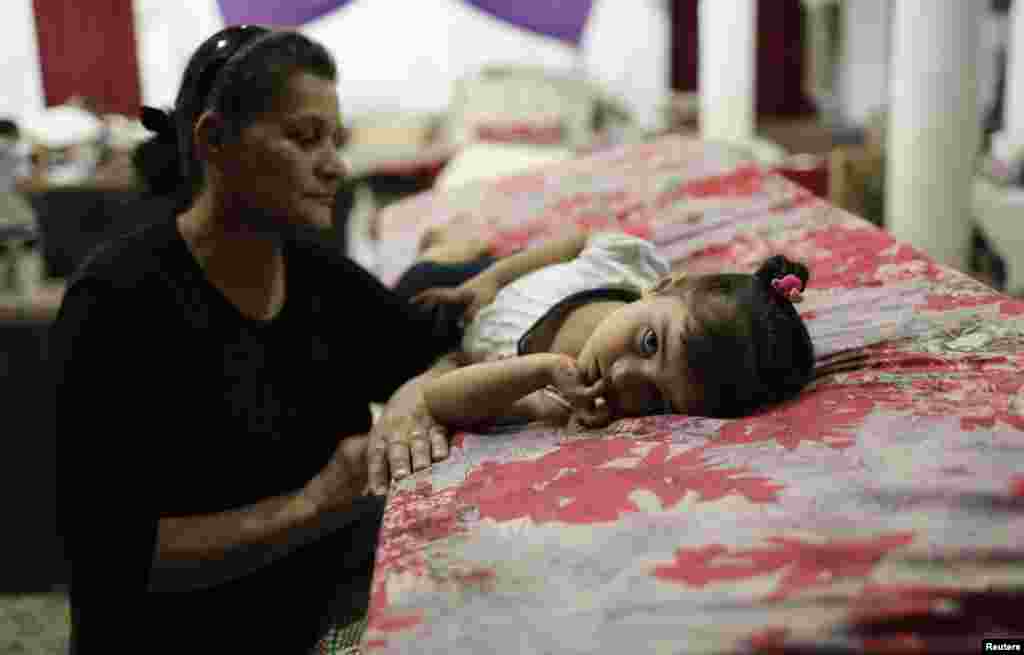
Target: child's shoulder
629	250
618	244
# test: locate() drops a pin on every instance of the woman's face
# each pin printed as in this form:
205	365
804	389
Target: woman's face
285	167
639	350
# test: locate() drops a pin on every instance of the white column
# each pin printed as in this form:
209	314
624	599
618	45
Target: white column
726	78
864	56
1014	108
934	126
817	52
21	81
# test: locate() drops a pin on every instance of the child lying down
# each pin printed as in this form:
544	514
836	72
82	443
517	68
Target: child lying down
592	328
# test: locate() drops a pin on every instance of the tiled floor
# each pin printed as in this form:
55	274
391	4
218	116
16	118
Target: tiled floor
34	624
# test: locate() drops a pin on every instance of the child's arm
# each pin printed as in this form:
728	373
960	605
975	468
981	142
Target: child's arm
481	289
478	393
515	266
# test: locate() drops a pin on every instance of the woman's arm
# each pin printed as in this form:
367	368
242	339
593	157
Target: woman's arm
109	489
199	551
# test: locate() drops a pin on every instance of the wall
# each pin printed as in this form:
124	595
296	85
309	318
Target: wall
404	55
380	70
863	83
167	33
21	88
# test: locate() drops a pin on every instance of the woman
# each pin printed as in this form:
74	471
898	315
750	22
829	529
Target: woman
212	429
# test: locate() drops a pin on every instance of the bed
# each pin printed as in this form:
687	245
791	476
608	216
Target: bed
881	510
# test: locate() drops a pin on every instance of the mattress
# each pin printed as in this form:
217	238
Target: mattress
881	509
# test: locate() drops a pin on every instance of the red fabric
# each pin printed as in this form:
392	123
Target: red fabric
88	49
780	62
809	171
823	524
539	133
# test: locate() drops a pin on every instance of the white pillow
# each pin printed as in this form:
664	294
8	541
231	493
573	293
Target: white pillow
488	161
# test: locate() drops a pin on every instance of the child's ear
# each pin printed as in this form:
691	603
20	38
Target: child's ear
665	283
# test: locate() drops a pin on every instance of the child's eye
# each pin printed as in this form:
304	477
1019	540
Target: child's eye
649	342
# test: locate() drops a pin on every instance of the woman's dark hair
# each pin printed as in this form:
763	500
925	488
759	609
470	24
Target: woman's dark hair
751	347
239	73
156	160
9	128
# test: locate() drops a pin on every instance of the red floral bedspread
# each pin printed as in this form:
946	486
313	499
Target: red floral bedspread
883	509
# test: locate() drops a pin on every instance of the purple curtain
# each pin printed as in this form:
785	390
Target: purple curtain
561	19
279	13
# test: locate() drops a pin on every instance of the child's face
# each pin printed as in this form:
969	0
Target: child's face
639	351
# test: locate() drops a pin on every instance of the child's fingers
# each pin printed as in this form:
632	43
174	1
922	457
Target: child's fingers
593	417
428	297
421	299
587	396
432	297
472	309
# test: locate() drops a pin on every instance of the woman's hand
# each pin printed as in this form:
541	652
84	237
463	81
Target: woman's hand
343	479
405	438
473	294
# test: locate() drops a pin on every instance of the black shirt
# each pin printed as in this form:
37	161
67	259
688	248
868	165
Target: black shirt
170	402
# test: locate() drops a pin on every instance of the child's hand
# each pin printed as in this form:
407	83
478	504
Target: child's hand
569	381
592	419
473	294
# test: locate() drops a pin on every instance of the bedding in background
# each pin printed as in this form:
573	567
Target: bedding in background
883	508
394	143
502	101
514	105
489	161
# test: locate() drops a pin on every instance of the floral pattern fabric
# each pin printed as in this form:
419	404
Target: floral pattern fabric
881	509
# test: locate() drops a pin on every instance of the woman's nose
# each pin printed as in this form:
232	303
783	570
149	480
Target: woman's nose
332	166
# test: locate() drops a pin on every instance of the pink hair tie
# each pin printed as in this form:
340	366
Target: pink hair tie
789	287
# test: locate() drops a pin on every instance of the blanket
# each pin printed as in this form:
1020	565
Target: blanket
881	509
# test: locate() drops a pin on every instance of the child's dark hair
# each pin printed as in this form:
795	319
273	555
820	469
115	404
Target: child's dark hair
239	73
751	347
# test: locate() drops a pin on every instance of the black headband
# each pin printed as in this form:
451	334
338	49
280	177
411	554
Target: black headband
226	44
221	48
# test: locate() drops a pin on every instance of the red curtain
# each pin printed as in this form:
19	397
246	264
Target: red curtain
88	49
780	55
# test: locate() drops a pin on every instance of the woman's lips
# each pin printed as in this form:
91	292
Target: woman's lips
323	199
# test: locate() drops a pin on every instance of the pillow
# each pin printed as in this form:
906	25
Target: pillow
510	101
486	161
392	129
538	131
